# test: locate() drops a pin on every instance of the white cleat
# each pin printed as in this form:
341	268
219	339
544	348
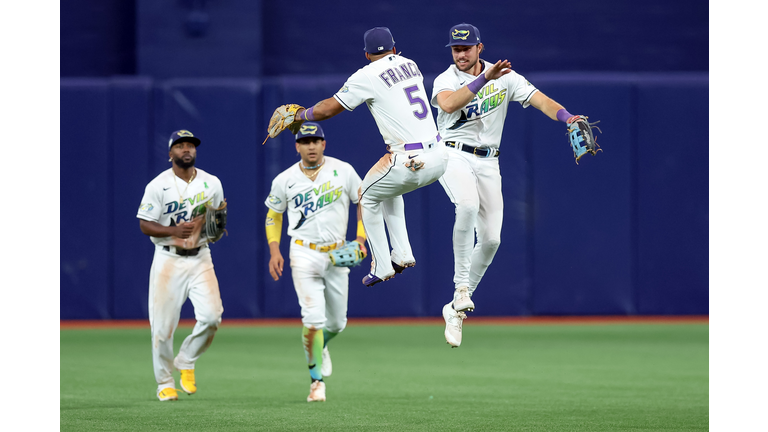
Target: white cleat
461	300
316	392
327	368
453	322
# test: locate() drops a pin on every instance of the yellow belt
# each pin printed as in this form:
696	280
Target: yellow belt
316	247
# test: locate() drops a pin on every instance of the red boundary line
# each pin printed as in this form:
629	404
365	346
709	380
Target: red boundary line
290	322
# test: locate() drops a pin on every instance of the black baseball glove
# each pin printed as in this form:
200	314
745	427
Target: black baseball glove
215	221
581	138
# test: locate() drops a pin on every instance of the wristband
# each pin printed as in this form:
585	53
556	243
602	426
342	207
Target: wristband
477	84
564	115
308	114
360	229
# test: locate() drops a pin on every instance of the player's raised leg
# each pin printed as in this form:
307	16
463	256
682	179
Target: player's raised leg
394	217
460	184
489	220
206	300
378	185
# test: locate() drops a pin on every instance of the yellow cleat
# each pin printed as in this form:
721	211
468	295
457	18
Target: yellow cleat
188	381
167	394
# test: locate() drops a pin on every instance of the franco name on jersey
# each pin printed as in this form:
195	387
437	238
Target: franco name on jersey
396	74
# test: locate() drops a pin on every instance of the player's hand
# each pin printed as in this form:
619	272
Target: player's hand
363	249
498	70
276	266
184	230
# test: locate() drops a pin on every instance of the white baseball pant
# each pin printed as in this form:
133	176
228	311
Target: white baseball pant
381	200
322	288
173	279
474	185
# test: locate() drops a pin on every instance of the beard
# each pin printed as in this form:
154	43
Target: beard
468	67
181	164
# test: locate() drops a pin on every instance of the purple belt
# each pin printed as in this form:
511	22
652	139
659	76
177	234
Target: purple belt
416	146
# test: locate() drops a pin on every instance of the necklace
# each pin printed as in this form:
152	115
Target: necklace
314	167
181	195
317	168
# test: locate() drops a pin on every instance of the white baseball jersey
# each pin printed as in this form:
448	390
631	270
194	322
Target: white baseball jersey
317	211
170	201
393	89
481	122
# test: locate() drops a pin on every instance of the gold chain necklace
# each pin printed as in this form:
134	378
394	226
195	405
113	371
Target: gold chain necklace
181	195
316	170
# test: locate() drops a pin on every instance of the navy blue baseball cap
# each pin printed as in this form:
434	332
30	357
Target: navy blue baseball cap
378	40
183	135
310	130
463	34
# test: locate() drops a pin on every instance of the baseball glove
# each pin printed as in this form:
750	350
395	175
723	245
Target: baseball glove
580	135
215	221
349	255
284	118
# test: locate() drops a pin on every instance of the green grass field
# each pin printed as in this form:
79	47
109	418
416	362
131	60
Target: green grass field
591	377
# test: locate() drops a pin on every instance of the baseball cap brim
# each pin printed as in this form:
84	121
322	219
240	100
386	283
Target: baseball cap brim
193	140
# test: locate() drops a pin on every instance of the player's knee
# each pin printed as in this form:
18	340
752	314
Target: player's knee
314	321
466	213
336	326
491	246
211	318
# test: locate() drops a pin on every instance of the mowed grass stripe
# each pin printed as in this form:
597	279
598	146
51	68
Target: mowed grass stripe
517	378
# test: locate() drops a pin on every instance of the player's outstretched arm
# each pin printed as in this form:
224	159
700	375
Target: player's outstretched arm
154	229
546	105
451	101
274	227
361	233
322	110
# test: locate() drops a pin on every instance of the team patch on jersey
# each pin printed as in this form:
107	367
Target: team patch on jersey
460	34
344	89
274	200
146	207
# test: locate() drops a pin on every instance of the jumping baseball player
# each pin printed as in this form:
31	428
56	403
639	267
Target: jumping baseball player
392	87
172	213
316	193
472	97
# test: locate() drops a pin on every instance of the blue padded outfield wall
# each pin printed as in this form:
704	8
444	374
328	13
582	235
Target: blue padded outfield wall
623	233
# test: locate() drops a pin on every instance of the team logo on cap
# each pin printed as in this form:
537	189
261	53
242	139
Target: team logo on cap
460	34
308	129
184	133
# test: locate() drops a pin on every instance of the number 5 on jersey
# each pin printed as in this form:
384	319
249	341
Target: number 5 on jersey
416	100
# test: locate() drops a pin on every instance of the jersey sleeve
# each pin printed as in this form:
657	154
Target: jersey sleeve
441	84
277	200
355	91
353	184
151	204
522	90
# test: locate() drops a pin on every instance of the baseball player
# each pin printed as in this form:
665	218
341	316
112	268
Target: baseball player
172	214
392	87
316	193
472	97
